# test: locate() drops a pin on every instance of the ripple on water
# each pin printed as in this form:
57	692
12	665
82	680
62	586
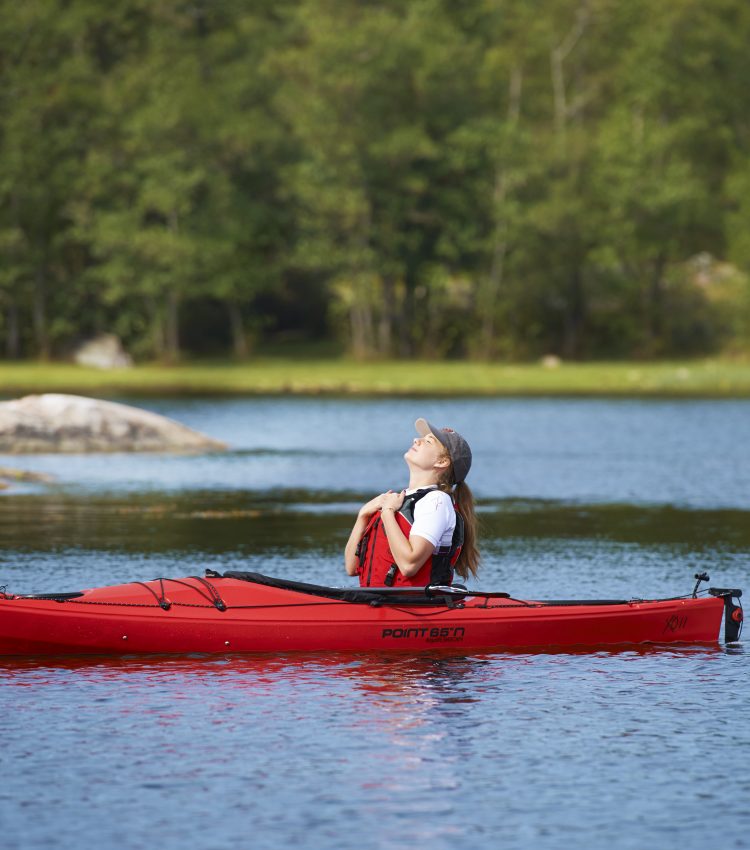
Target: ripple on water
547	748
627	749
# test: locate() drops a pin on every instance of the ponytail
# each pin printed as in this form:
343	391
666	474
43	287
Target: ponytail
468	561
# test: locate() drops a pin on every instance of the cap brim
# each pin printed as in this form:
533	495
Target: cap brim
424	428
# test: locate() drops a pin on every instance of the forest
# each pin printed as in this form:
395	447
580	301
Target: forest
485	179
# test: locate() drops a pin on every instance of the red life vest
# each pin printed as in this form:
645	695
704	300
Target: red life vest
377	567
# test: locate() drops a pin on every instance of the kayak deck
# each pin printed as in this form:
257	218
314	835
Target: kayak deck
250	612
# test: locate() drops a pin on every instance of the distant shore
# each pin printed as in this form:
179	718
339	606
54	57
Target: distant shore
711	378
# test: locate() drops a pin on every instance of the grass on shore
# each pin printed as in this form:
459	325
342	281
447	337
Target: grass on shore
716	378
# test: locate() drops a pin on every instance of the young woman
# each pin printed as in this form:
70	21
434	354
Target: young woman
425	533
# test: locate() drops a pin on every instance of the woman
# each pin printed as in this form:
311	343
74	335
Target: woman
420	536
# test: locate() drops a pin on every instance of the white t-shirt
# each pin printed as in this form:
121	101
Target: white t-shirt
434	518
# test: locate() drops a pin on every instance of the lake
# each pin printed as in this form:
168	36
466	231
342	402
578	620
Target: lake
601	498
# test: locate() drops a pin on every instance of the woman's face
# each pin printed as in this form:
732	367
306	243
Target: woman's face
427	453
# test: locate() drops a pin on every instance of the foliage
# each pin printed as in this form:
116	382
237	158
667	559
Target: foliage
485	178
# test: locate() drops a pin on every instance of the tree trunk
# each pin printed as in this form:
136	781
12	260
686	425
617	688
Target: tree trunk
557	57
172	327
41	334
654	299
12	337
493	282
492	290
574	317
360	314
387	315
239	337
360	321
369	326
157	328
398	342
406	321
172	318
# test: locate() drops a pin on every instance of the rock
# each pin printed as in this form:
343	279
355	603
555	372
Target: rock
103	352
69	423
9	473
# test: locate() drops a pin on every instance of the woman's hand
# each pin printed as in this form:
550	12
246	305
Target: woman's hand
373	506
393	501
390	500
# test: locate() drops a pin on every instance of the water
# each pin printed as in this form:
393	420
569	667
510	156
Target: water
630	749
682	453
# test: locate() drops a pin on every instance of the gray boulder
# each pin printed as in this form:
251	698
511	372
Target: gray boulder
103	352
68	423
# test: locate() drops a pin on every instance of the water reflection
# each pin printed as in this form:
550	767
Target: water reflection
373	673
300	519
398	747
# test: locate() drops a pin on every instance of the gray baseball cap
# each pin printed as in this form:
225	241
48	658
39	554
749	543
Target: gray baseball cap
457	448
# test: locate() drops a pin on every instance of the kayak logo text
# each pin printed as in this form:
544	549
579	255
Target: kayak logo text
434	634
675	624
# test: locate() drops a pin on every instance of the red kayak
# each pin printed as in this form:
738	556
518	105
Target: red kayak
249	612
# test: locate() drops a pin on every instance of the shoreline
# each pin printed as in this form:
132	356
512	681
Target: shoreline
278	376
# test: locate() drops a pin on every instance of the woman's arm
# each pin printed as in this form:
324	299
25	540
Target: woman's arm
409	553
351	562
